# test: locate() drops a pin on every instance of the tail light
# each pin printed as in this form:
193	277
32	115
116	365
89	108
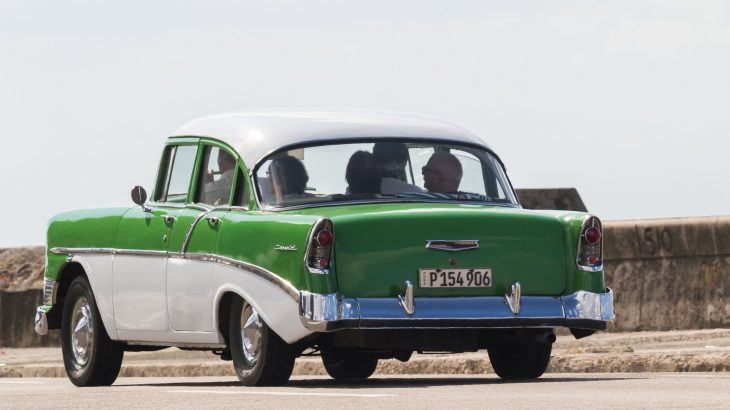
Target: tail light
590	245
319	249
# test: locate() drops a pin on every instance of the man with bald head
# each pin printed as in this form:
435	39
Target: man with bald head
442	173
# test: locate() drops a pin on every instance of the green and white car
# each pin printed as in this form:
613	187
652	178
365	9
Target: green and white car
358	236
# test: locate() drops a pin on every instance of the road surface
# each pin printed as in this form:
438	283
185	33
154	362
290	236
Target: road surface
595	391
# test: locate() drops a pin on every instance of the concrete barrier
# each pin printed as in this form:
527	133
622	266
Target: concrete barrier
17	313
551	198
669	273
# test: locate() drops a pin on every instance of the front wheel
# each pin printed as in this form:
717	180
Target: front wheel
526	361
343	364
90	357
260	356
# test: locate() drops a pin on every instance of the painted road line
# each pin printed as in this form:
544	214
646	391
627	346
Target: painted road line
283	393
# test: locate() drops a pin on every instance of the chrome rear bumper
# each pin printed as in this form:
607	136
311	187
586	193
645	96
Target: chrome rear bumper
329	312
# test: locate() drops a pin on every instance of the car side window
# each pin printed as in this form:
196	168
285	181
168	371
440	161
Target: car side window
216	178
182	158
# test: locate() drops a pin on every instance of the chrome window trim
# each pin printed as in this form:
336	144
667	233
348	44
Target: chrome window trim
384	201
263	273
168	172
338	141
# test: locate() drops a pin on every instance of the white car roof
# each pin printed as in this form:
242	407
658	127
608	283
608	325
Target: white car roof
255	134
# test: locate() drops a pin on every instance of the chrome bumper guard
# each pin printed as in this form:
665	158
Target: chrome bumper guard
330	312
41	319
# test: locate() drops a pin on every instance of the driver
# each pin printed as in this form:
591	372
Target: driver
442	173
219	192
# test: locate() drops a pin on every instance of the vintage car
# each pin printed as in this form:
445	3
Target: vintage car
358	236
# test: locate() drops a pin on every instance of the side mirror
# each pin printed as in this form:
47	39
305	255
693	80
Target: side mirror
139	197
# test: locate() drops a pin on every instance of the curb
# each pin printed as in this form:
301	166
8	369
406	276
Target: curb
595	363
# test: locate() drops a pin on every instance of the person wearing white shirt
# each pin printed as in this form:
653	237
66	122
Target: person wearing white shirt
218	191
392	158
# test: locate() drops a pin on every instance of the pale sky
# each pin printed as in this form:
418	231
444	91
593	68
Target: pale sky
627	101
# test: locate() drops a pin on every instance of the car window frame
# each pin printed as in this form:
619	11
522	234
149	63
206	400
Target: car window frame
257	197
240	169
164	172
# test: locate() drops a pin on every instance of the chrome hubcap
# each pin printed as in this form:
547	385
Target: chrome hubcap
250	334
82	336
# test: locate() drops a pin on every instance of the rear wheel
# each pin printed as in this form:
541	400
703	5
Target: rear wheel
348	364
89	356
260	356
527	361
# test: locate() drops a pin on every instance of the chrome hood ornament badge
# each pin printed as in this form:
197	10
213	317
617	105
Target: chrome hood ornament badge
512	297
455	245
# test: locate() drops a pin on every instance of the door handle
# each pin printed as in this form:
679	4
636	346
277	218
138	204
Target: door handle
213	220
169	219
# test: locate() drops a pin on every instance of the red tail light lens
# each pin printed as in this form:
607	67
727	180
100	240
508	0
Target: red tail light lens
592	235
324	238
590	245
319	249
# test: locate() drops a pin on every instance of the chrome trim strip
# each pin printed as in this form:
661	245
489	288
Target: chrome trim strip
329	312
184	246
283	284
452	245
105	251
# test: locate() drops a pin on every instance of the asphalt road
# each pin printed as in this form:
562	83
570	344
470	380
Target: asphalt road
643	390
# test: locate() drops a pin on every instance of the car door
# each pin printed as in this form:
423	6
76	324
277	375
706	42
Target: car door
190	269
140	259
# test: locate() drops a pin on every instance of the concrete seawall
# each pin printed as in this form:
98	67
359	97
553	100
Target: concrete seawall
667	274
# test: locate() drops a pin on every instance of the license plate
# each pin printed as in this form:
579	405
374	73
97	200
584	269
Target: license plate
455	278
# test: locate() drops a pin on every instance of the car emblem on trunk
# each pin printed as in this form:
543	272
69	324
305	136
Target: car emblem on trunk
457	245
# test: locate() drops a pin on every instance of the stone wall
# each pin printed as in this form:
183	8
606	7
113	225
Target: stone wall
669	273
666	273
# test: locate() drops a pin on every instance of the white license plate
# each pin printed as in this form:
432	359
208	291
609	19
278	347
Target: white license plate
455	278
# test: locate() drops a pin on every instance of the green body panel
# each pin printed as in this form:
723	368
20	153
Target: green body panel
380	246
251	236
91	228
377	246
140	230
204	237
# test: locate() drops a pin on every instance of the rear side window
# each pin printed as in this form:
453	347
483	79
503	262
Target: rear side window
180	162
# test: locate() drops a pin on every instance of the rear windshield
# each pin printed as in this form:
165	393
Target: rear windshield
382	171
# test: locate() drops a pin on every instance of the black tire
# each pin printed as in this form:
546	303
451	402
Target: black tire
90	357
274	358
345	364
527	361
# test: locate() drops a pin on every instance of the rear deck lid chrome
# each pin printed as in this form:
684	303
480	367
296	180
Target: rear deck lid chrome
455	245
